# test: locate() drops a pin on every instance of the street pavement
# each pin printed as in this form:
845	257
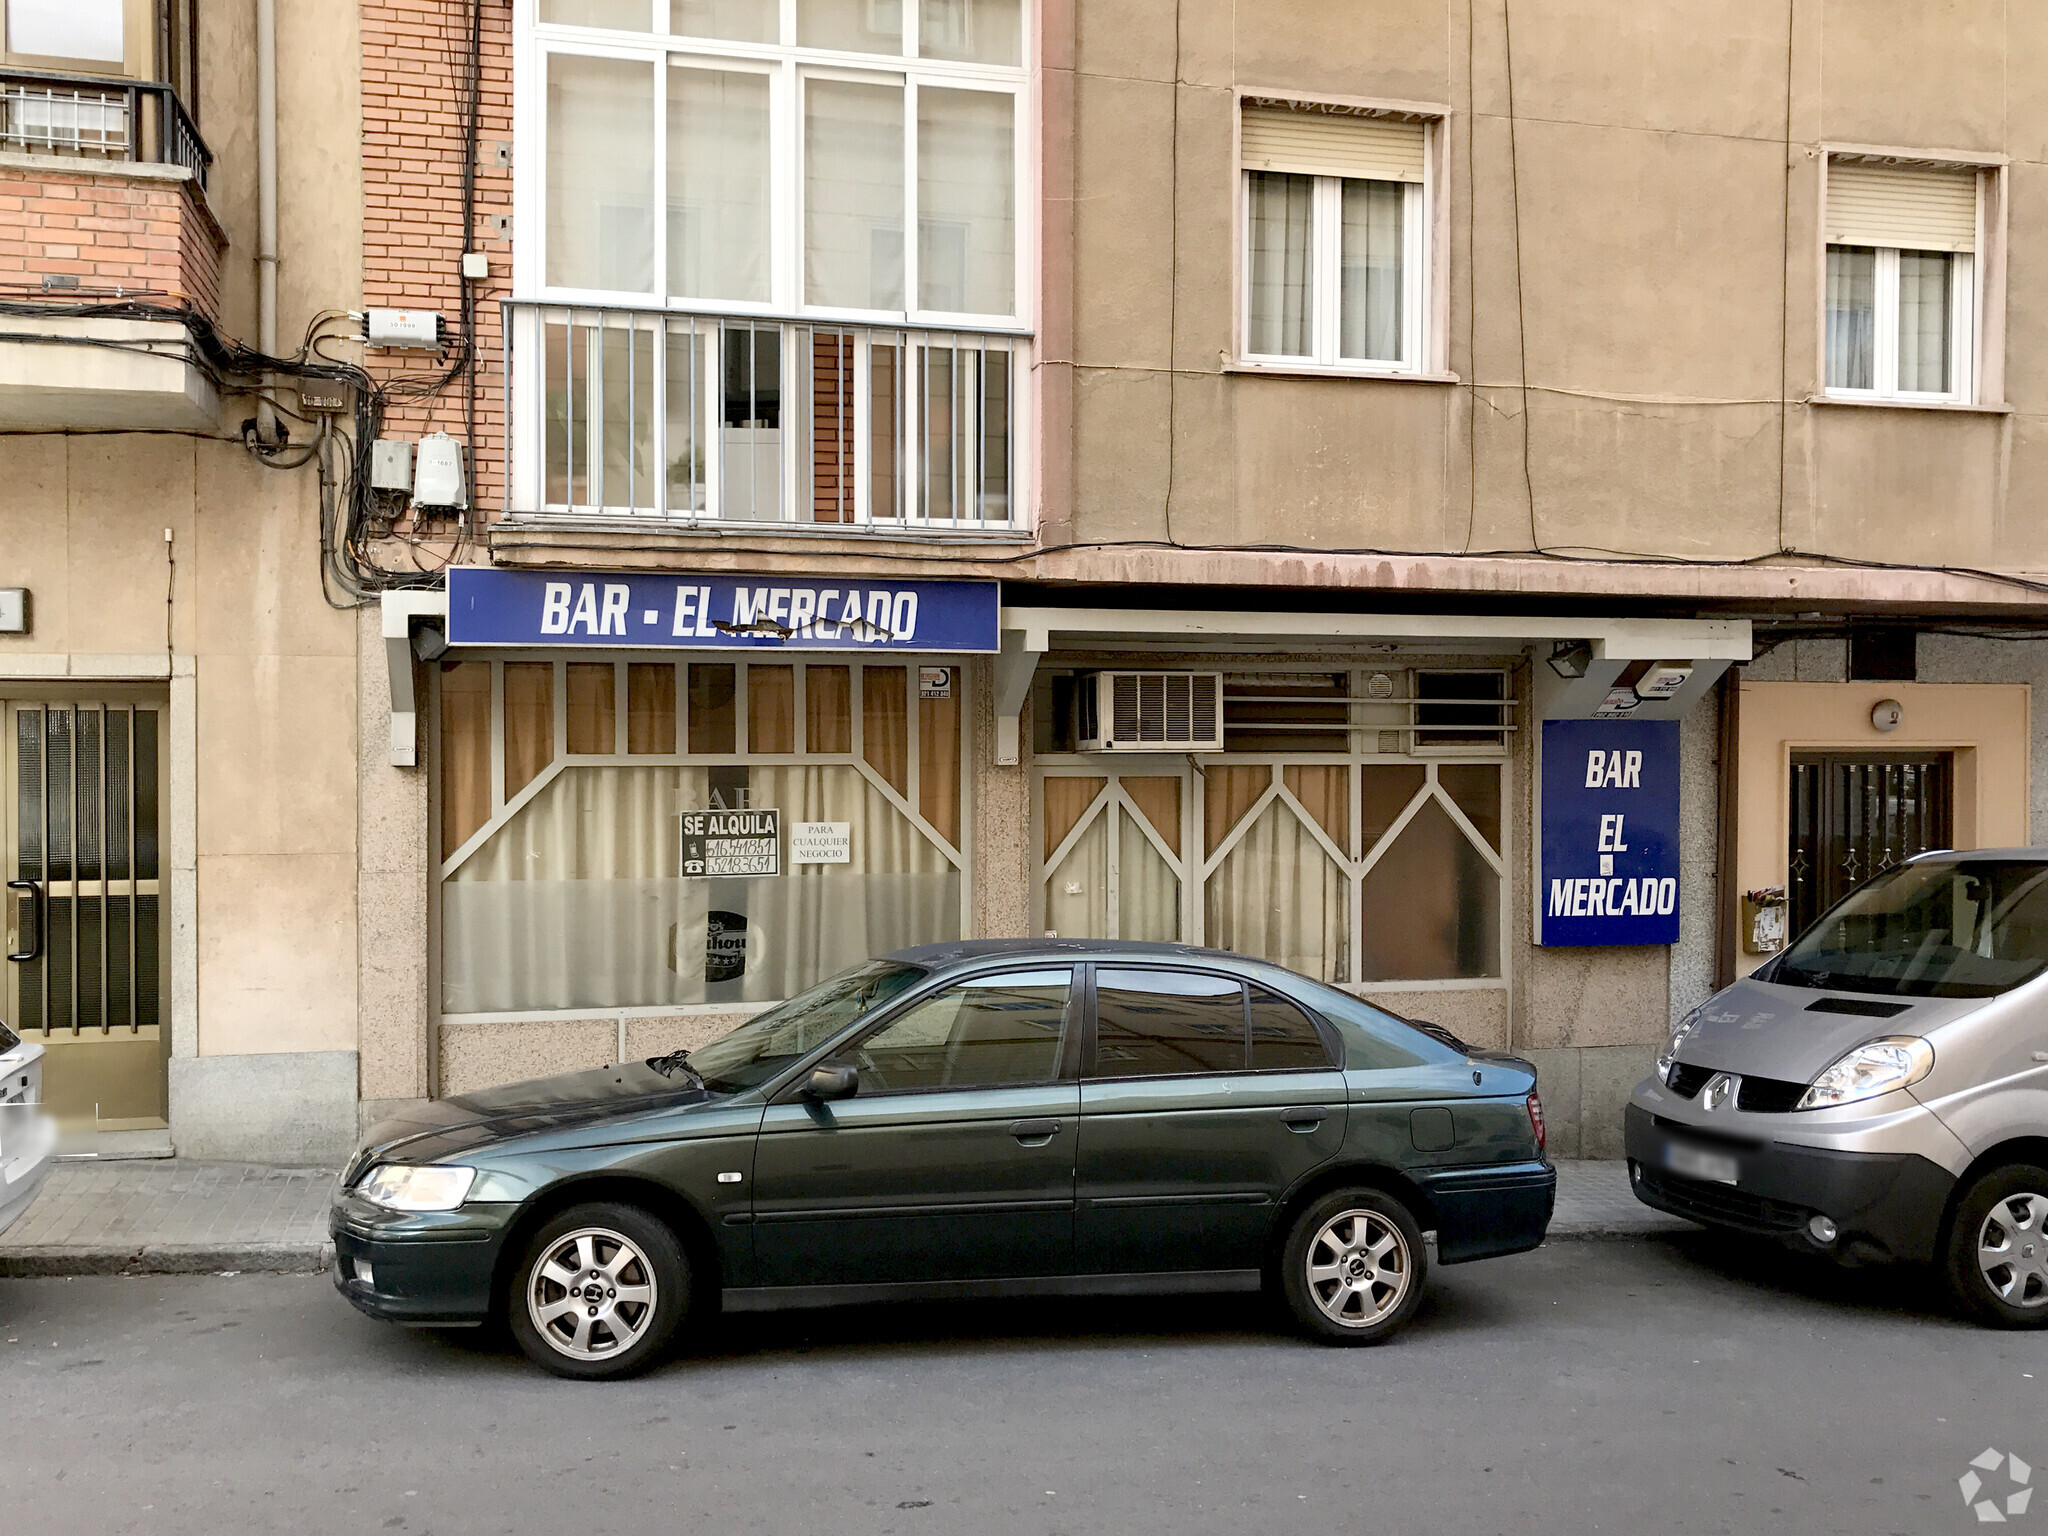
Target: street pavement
1671	1384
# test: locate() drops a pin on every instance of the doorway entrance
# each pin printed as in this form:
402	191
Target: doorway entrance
82	786
1855	815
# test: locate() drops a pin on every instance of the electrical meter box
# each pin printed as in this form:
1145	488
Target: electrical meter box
437	482
391	465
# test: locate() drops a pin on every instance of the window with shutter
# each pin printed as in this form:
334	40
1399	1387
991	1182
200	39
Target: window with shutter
1336	231
1901	301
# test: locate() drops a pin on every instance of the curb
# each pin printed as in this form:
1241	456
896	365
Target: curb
52	1261
1617	1231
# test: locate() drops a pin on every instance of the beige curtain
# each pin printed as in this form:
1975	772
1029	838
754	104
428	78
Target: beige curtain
465	752
1431	906
577	902
1077	892
1148	891
1278	895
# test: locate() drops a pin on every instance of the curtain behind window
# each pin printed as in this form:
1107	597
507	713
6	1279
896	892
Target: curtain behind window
577	902
717	184
600	213
1852	317
1277	895
853	194
1282	233
1370	305
1924	321
966	202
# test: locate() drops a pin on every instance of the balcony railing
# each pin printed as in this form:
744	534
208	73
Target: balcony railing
92	118
669	418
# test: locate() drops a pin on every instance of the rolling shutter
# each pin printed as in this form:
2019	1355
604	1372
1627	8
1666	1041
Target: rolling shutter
1906	207
1332	144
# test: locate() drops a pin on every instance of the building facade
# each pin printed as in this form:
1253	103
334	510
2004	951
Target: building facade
983	467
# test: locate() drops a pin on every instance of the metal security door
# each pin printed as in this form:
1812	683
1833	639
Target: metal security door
1856	816
82	787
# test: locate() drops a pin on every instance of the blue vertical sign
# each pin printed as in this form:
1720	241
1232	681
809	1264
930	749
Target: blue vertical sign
1610	832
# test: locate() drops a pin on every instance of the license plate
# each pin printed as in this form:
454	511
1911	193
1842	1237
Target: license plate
1692	1163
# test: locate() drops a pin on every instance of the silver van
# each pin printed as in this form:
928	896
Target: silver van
1878	1091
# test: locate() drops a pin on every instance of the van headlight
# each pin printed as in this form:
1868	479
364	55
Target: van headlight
417	1187
1898	1061
1669	1054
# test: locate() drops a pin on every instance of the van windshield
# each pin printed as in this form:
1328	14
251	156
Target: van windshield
1963	928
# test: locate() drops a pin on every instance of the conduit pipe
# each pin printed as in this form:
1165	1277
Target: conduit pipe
266	192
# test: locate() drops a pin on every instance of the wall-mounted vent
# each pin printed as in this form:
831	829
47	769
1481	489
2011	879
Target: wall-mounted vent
1150	712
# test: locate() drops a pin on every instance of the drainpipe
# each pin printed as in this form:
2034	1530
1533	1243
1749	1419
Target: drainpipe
266	193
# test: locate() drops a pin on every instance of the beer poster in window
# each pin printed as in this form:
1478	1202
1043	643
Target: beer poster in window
724	845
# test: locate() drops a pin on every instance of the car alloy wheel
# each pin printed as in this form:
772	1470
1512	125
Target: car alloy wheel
599	1291
1358	1268
1353	1266
592	1294
2012	1249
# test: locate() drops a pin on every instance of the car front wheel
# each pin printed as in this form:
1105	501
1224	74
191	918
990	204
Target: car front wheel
1353	1267
1998	1248
598	1293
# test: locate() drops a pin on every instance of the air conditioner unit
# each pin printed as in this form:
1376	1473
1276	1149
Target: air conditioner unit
1150	712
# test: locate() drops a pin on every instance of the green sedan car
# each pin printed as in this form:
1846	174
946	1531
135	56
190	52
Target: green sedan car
984	1119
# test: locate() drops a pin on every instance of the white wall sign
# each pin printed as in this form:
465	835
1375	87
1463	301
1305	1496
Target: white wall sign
935	682
821	842
724	844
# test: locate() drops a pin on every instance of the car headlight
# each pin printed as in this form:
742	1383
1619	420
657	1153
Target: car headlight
417	1187
1898	1061
1669	1054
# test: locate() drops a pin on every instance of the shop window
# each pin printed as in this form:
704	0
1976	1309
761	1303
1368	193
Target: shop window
562	885
1346	863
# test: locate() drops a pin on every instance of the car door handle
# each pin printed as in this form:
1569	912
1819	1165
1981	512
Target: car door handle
1035	1133
1303	1119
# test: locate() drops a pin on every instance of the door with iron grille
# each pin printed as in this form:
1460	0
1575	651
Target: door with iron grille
82	784
1856	815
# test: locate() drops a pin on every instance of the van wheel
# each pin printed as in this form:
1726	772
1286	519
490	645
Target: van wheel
1353	1267
598	1293
1998	1248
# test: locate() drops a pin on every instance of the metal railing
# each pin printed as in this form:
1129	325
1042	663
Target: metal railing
95	118
676	418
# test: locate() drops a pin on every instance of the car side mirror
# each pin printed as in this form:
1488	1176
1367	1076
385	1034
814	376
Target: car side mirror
832	1080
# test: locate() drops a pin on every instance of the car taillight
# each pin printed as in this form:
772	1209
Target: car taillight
1535	1107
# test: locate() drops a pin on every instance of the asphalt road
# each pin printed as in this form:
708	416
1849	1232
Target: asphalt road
1665	1386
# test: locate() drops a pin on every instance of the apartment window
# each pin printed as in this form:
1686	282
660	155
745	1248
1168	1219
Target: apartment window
1902	281
780	250
677	135
1336	218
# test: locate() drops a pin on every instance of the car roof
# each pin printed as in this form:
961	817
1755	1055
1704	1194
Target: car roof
1956	855
961	952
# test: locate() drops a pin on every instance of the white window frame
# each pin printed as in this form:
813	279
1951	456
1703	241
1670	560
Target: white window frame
1884	370
1424	249
1326	242
788	66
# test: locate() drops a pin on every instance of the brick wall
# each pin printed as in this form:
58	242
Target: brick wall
141	234
413	239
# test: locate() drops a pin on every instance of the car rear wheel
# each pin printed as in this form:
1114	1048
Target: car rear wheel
1353	1267
598	1293
1998	1248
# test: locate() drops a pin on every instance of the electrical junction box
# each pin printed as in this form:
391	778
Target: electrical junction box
438	480
476	265
402	328
14	610
391	465
323	397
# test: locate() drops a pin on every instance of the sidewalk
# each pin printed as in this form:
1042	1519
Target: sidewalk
176	1218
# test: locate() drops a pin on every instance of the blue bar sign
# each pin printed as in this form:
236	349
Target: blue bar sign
1610	832
636	609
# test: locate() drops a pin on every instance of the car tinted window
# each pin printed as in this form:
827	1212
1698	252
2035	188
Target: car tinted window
1164	1023
1961	928
767	1043
985	1032
1377	1041
1283	1036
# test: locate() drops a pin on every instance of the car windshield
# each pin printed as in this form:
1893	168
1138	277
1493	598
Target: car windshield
768	1042
1962	928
